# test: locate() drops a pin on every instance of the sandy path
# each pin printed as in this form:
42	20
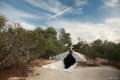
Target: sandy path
80	73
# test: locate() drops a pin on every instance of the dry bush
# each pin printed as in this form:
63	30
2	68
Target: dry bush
13	51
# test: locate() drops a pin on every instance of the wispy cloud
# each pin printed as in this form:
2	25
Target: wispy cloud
60	13
81	2
111	8
56	7
53	6
111	3
48	9
14	13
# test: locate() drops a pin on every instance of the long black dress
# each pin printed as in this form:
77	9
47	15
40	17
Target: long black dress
69	60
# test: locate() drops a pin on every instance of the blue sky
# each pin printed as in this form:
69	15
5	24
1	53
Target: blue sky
86	19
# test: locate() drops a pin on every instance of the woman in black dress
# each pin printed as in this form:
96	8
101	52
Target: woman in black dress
69	60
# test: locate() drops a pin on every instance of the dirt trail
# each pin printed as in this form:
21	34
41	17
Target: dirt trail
80	73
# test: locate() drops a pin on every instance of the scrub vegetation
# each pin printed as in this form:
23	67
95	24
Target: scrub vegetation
18	46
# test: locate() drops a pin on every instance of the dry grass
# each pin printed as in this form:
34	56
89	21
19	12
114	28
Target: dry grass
21	72
14	72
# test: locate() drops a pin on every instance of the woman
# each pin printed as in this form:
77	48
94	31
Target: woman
69	60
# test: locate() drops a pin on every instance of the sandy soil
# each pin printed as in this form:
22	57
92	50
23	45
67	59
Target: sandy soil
80	73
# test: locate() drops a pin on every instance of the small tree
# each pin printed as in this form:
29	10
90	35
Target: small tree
65	39
91	54
2	21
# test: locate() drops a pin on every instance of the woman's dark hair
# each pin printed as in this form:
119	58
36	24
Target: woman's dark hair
70	51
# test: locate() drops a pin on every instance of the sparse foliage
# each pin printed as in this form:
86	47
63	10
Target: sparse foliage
65	39
18	46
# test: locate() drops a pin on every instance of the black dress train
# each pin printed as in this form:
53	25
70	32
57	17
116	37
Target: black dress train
69	61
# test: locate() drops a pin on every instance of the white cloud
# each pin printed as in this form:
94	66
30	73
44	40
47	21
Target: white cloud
27	26
109	30
53	6
80	2
14	13
111	3
22	24
60	13
56	7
